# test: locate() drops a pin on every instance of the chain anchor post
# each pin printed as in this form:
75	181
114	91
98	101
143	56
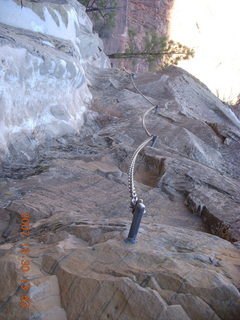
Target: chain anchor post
137	206
139	210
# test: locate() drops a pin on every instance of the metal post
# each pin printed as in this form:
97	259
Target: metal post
154	139
136	204
137	217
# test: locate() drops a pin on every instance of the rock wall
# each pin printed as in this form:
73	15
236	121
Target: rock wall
81	268
45	50
185	264
140	16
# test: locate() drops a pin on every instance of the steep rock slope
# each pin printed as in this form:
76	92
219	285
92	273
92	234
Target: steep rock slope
80	266
45	49
73	184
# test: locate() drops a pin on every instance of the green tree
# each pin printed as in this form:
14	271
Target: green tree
159	52
103	14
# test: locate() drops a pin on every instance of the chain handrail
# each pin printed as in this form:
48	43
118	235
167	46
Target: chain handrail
136	204
131	186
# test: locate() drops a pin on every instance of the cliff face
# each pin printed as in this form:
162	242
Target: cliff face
45	50
153	14
81	268
140	16
73	188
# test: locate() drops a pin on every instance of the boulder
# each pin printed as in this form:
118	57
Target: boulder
45	49
82	269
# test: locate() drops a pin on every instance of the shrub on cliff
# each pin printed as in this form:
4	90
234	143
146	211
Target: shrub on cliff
158	51
103	13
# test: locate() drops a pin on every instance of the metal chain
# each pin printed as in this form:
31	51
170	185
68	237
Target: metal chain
131	186
132	75
143	120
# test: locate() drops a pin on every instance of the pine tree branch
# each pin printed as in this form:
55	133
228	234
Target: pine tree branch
90	9
126	55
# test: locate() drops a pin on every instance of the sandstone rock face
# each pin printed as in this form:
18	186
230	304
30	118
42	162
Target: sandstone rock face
77	197
151	15
45	49
72	179
82	269
140	16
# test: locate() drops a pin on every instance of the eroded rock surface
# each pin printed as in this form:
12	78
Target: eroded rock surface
82	269
139	16
45	49
78	200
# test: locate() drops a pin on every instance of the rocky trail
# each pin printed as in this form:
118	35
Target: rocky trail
79	207
69	127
